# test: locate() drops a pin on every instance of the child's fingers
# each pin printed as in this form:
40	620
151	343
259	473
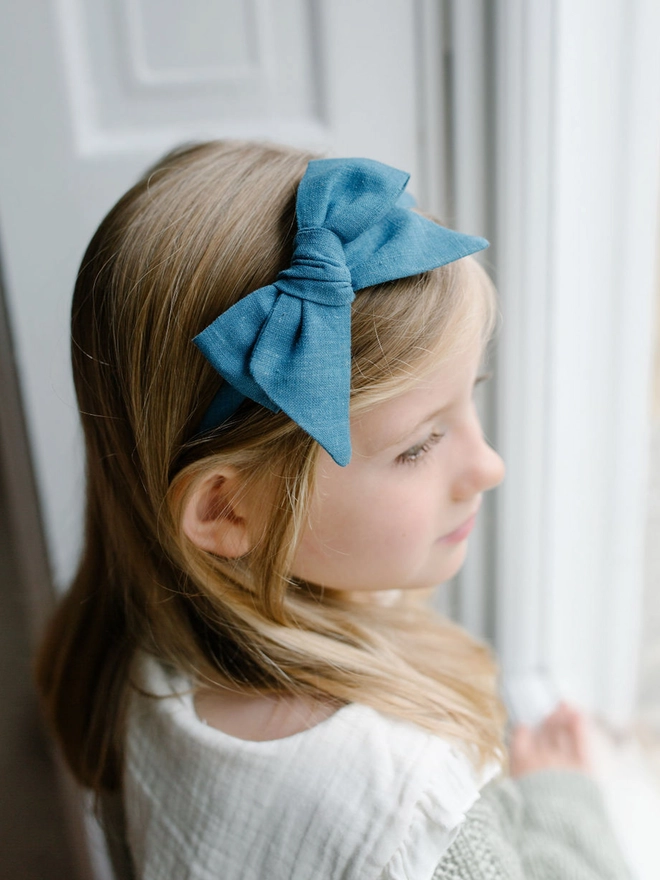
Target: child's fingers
564	733
524	743
563	714
521	750
560	741
521	736
579	727
557	738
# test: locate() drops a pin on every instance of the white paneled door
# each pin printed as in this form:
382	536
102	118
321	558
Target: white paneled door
92	92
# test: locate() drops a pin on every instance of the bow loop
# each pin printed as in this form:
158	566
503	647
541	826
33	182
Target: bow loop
287	346
347	196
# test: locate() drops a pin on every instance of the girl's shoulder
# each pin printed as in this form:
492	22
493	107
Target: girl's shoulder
355	795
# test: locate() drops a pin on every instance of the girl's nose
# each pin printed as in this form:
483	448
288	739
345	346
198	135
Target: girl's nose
483	470
493	469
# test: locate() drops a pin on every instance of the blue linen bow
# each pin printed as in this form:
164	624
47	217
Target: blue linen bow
287	346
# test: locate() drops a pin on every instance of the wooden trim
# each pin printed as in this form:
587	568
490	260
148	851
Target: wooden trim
27	534
30	556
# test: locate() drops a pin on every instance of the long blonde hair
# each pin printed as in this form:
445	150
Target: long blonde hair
205	227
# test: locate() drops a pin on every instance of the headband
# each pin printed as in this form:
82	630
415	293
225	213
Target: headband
287	346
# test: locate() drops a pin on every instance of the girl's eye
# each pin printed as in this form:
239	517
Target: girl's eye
415	453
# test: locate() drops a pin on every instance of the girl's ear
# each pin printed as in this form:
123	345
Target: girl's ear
215	516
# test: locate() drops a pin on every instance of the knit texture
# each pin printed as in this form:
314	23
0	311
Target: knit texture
549	825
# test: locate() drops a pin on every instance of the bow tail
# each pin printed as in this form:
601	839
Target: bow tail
228	345
302	361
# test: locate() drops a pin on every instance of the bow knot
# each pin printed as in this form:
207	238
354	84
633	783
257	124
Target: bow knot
318	271
287	346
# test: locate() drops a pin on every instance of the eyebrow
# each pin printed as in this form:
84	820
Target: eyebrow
431	417
427	420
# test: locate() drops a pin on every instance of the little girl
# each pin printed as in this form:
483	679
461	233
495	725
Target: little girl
275	359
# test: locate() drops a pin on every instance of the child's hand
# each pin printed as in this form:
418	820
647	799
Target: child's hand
559	742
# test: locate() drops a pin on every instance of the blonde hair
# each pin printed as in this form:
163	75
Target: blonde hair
205	227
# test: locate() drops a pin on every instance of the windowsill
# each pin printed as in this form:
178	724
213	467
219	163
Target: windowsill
629	775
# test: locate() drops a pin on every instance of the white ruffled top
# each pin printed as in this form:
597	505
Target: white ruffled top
361	796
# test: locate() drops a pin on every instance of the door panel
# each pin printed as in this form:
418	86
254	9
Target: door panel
91	93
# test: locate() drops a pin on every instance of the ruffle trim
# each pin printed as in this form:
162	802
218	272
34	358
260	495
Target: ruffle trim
436	819
435	782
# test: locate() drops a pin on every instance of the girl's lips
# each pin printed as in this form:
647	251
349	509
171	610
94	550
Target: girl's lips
461	533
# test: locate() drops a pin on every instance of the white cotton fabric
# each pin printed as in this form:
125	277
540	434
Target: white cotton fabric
361	796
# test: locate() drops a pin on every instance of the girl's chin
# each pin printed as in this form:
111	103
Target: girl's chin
459	552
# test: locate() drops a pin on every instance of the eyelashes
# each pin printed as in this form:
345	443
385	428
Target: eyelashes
416	453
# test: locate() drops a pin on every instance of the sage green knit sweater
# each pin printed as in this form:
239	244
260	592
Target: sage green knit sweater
548	825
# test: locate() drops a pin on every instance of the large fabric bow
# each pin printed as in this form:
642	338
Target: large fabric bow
287	346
